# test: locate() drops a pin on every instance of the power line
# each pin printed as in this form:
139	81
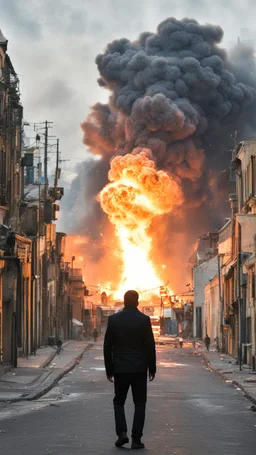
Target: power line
114	289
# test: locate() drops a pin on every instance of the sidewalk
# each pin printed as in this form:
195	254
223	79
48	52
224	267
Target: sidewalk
228	369
37	374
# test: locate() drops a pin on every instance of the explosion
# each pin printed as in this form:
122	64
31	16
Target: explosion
137	194
176	94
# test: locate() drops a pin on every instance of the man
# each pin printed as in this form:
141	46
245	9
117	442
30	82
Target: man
207	341
129	353
95	334
58	344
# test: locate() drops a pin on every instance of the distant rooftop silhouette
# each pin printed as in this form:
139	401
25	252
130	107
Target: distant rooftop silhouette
3	40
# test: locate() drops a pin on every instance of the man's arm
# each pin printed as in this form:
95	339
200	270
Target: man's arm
151	350
108	350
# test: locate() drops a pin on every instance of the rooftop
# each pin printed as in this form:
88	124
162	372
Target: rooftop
244	144
3	40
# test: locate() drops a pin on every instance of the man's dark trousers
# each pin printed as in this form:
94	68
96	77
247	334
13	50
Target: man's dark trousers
138	383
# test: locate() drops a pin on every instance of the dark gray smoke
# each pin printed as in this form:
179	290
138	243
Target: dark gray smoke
87	219
177	93
168	91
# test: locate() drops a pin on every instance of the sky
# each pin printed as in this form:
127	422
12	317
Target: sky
53	46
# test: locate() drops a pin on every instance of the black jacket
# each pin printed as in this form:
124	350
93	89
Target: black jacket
129	345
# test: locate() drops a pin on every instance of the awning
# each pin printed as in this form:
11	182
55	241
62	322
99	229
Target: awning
77	323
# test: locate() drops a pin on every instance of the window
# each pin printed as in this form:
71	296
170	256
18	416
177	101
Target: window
246	189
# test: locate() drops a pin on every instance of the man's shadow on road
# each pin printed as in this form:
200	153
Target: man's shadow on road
115	450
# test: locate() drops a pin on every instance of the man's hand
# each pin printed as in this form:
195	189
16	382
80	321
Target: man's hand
151	377
110	378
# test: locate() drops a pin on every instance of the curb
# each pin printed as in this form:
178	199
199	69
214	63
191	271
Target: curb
49	360
233	381
246	394
54	381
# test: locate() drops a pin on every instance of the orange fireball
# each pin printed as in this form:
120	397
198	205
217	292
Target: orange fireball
137	193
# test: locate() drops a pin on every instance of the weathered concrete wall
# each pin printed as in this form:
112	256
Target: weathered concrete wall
203	273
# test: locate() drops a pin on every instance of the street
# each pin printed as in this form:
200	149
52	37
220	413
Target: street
190	411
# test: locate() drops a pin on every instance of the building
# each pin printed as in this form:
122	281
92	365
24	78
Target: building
212	313
203	274
245	164
203	266
11	113
77	293
227	291
16	278
63	307
250	270
230	296
34	298
32	226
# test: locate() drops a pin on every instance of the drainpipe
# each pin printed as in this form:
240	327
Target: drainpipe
240	300
33	295
221	302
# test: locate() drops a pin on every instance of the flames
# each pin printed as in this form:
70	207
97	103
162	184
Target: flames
136	194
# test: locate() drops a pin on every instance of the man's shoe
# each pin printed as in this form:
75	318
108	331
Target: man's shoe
122	439
138	445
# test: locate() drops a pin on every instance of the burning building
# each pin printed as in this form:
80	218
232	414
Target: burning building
175	98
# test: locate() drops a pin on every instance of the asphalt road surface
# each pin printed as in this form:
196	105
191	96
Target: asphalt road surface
190	411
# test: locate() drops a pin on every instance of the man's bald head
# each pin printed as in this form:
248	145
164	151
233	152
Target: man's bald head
131	298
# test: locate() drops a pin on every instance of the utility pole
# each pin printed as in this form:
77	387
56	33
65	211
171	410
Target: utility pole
44	267
46	127
45	162
57	168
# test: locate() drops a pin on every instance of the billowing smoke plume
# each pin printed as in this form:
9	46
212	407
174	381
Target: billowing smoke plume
175	93
167	91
